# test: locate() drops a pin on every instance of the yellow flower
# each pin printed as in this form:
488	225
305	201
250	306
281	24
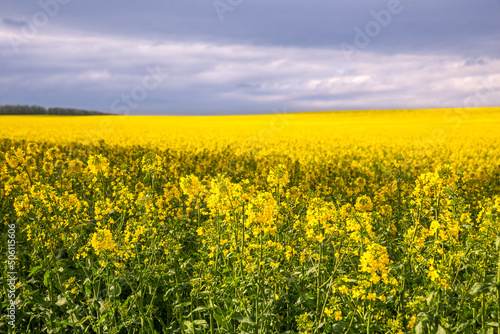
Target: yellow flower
328	312
69	282
364	203
139	187
152	163
83	254
223	196
102	240
412	322
75	166
433	274
344	289
192	187
278	176
375	260
32	148
98	164
434	227
47	167
261	213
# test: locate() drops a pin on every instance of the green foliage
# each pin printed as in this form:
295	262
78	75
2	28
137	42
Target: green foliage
129	240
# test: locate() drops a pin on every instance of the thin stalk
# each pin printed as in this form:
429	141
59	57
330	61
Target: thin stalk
211	323
483	310
242	237
368	325
258	280
191	313
498	296
29	176
318	279
474	315
218	242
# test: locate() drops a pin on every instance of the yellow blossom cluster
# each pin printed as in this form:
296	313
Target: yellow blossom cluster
345	222
375	261
102	241
98	164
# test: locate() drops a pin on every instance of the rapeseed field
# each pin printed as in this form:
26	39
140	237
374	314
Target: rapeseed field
336	222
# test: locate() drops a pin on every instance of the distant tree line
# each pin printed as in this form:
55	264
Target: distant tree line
37	110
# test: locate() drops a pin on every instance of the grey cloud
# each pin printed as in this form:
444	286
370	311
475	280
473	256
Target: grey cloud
449	25
265	54
472	62
14	23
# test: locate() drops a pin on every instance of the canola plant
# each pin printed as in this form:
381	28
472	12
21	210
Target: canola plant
337	222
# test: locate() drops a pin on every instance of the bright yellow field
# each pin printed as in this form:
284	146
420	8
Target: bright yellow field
416	126
335	222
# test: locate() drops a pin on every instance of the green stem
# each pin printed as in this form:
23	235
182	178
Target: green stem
257	316
218	243
368	325
29	176
318	279
242	238
498	296
483	310
211	323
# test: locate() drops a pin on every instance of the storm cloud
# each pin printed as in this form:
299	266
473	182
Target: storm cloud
240	56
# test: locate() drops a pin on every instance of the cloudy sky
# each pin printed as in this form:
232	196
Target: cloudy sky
249	56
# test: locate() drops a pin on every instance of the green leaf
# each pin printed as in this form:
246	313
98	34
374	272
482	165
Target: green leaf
64	324
46	278
338	328
199	309
486	331
88	290
61	300
115	289
182	305
34	270
102	308
202	323
161	322
304	298
242	319
440	330
220	320
430	297
461	327
189	327
311	271
419	329
497	242
479	288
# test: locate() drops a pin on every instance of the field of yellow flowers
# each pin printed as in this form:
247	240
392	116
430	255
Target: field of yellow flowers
340	222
